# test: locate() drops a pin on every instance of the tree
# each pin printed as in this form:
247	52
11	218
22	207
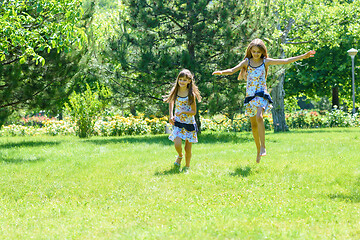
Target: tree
159	38
39	87
303	25
29	27
40	48
327	75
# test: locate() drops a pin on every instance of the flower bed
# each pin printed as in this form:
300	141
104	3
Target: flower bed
312	119
108	126
118	125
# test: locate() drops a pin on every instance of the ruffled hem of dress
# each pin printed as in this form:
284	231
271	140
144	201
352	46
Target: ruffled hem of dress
187	136
263	104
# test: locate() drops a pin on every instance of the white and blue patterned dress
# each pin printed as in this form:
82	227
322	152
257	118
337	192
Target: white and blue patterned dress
181	105
256	90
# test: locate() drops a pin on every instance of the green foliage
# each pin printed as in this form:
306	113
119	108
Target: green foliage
322	119
85	108
315	23
119	126
54	33
4	113
339	118
324	27
28	28
305	25
38	87
291	104
323	104
331	67
156	126
305	119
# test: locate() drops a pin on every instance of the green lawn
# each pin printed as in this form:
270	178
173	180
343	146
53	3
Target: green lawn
308	187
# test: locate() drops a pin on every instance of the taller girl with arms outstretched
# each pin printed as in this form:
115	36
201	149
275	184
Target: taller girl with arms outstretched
254	69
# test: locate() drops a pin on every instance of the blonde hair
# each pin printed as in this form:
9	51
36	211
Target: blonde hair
260	44
193	89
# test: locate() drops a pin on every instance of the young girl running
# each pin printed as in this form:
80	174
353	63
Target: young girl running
254	69
182	96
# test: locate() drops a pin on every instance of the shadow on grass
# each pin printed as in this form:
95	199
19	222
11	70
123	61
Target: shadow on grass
28	144
171	171
204	138
21	160
351	197
215	137
150	139
242	171
319	130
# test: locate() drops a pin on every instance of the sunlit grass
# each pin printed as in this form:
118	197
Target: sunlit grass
308	187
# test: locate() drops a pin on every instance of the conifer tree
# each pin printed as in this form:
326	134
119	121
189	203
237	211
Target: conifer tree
159	38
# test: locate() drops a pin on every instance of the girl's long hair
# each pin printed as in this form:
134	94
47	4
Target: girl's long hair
193	89
260	44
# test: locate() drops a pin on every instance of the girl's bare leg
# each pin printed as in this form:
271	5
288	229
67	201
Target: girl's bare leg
178	147
187	153
261	130
254	128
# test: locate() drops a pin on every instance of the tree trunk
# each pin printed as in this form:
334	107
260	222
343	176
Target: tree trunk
278	92
133	109
335	96
278	111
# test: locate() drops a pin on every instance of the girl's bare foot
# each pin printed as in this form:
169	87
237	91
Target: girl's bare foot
258	157
262	151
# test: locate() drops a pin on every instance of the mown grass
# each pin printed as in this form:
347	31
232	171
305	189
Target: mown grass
308	187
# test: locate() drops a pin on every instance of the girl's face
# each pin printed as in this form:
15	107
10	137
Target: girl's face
256	52
183	82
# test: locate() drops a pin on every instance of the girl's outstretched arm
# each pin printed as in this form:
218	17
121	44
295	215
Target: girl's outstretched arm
270	61
233	70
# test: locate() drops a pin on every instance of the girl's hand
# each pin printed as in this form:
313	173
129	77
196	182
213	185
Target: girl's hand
217	73
172	120
309	54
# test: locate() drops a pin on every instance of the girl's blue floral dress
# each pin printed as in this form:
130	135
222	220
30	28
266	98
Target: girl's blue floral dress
182	104
256	90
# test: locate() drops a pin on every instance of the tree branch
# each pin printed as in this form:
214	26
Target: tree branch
10	61
171	18
5	85
26	99
297	43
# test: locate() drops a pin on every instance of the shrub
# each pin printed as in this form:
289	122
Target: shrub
85	108
339	118
157	125
54	127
